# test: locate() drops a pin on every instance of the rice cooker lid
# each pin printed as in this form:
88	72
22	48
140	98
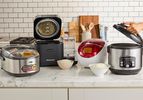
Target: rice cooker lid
125	46
47	27
19	52
123	29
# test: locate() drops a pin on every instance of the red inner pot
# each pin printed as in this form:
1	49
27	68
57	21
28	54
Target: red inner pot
90	48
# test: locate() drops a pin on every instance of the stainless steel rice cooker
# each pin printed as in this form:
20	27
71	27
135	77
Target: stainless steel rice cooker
20	60
125	58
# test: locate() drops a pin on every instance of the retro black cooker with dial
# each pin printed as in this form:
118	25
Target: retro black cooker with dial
47	28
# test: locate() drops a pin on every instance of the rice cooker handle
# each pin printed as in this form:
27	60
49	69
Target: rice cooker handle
2	57
108	49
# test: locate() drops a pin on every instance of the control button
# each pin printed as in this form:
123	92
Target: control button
127	66
133	64
121	64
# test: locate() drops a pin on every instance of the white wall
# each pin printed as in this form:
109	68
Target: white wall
16	16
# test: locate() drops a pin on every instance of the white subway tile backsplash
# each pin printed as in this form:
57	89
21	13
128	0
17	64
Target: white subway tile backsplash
22	15
123	4
43	5
8	10
134	3
109	9
32	0
28	20
16	16
4	25
141	3
52	4
88	9
47	10
14	34
23	25
68	9
7	0
26	10
9	30
56	9
3	5
18	10
82	4
42	0
22	5
77	9
18	30
123	14
113	14
17	0
1	10
104	4
73	4
18	20
12	25
12	5
8	20
37	10
13	15
28	30
32	4
129	9
117	9
115	4
133	14
1	30
138	9
62	4
1	20
98	9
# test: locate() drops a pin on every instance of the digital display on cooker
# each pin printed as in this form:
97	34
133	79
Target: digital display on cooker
87	50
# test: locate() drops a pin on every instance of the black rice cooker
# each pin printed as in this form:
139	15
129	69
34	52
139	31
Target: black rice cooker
125	58
47	29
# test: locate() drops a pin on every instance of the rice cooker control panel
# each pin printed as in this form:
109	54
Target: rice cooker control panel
127	62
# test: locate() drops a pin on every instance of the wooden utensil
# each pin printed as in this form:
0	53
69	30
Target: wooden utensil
90	19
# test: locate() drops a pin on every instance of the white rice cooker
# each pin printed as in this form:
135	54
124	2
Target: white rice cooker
91	51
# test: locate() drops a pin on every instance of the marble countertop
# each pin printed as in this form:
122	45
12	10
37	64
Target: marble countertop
55	77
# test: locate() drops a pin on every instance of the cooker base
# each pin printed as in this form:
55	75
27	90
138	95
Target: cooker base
22	74
125	72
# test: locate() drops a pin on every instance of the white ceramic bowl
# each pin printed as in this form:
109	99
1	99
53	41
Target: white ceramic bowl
65	64
99	69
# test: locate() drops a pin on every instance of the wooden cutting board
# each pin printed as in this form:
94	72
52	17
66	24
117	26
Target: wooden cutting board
88	19
74	30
